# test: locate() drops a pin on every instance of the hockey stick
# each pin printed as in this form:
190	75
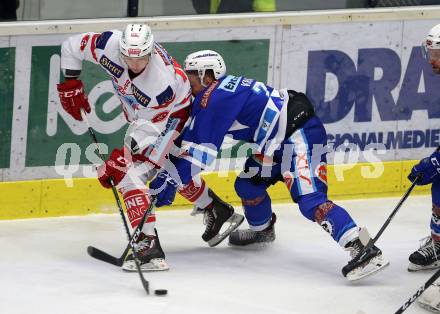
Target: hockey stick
119	261
365	238
414	297
145	283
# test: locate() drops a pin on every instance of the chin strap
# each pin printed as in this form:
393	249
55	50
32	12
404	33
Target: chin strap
202	76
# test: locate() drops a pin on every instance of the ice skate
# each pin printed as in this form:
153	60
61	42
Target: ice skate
426	257
150	254
253	238
363	263
218	216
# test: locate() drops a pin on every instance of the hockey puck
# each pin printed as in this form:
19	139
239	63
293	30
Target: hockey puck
160	292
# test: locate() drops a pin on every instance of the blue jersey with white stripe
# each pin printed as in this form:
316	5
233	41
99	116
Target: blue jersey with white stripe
243	108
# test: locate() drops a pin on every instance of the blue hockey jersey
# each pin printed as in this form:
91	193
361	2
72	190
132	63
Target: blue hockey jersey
243	108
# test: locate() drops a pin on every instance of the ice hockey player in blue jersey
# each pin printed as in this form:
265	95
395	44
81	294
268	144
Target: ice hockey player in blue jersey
428	255
427	171
288	143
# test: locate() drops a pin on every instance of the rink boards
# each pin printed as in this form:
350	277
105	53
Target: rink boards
370	91
51	197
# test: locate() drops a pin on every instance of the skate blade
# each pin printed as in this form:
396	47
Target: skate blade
234	222
373	266
414	267
156	264
253	246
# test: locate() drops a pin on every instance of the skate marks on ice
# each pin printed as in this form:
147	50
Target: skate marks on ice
298	273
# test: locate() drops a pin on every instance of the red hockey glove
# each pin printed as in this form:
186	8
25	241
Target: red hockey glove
72	97
116	167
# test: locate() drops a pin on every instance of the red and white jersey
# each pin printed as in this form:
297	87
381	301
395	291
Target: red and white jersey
159	91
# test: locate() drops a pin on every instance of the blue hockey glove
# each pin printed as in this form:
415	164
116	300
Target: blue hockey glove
164	187
428	168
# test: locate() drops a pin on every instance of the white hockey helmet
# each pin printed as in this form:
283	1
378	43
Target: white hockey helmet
431	45
136	41
203	60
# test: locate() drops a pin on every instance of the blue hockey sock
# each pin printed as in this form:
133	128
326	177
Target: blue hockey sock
258	211
337	222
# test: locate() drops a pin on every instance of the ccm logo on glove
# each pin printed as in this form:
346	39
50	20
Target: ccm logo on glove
72	98
71	93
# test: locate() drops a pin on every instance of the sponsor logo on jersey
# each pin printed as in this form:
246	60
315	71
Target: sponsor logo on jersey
160	117
207	94
84	42
112	67
143	99
230	83
165	98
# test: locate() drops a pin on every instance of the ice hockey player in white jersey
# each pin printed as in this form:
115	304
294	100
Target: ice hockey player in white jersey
153	90
428	170
285	135
155	96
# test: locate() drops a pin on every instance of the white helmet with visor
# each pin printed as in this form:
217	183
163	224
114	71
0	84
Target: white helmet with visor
136	41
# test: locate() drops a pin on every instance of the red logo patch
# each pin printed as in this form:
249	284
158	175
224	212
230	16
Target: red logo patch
134	51
84	42
160	117
321	172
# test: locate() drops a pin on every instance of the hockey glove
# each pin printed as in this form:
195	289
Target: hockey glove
427	169
73	98
164	187
115	167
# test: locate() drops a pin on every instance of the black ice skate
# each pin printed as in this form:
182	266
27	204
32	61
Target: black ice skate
363	263
216	215
249	236
150	254
426	257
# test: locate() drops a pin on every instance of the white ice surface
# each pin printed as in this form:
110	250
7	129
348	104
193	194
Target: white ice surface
44	267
